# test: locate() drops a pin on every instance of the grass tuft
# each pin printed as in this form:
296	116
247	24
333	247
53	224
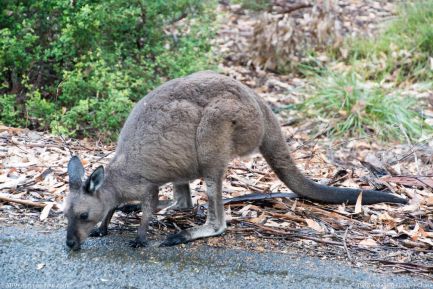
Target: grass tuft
357	108
402	53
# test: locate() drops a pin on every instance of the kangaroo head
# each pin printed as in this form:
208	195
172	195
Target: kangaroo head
84	208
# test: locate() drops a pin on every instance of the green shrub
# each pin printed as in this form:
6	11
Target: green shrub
9	115
80	65
40	111
355	107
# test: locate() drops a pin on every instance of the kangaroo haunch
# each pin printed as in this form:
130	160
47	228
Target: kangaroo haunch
188	128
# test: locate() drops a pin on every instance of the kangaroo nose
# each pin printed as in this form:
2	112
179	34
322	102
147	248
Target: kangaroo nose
70	243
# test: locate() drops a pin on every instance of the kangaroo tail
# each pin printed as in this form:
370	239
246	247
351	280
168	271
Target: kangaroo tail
276	152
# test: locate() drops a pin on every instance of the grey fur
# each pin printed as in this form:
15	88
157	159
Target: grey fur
189	128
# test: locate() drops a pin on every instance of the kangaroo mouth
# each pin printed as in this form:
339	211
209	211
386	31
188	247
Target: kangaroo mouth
76	248
73	245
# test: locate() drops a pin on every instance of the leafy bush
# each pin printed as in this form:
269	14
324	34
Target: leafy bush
9	115
402	53
355	107
77	67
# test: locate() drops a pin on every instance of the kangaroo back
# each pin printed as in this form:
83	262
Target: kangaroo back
276	152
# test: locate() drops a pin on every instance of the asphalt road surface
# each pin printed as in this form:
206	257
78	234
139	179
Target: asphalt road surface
32	258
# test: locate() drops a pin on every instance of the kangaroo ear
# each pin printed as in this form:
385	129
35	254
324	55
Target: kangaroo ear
75	172
95	180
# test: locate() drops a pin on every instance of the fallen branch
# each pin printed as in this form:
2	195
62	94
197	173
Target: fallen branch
406	265
249	198
286	217
5	198
345	244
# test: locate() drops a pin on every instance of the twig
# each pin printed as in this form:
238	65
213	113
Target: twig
248	186
65	145
285	216
22	202
413	151
37	179
411	146
334	215
288	234
406	265
31	145
247	170
103	157
249	197
345	244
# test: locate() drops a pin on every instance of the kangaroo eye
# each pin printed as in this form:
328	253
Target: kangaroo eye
84	216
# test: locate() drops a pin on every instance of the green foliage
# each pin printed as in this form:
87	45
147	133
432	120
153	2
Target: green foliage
9	115
402	52
39	110
78	66
354	107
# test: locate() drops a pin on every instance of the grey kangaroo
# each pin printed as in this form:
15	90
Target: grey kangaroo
188	128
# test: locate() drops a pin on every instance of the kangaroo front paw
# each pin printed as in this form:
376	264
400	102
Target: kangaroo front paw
98	232
173	240
138	242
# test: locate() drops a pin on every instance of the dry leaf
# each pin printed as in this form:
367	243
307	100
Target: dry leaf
358	205
45	211
429	201
314	225
414	232
259	220
427	241
368	243
244	209
228	214
13	183
293	208
413	206
274	224
279	206
385	217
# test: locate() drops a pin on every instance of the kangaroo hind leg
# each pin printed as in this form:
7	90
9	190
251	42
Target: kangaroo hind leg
215	149
215	222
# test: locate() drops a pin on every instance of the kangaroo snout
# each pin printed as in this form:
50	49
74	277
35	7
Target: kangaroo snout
73	244
72	241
